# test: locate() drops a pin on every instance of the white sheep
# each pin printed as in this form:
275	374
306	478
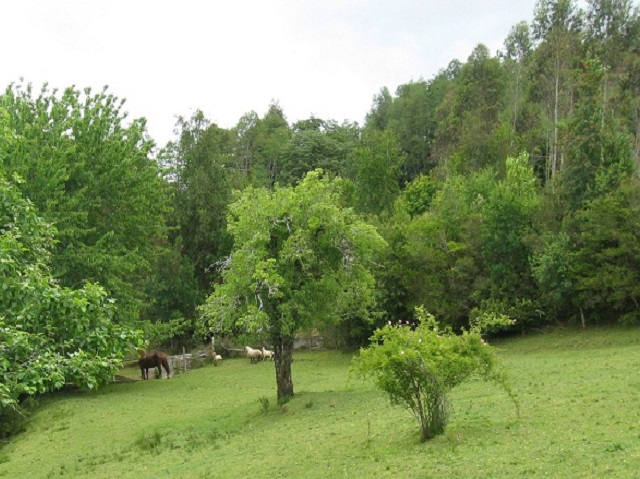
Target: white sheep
266	354
254	355
216	359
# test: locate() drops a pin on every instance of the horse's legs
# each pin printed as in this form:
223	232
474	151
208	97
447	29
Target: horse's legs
165	365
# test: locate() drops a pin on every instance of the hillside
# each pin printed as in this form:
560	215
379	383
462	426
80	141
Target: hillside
579	392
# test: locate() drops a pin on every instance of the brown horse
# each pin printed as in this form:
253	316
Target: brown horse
154	360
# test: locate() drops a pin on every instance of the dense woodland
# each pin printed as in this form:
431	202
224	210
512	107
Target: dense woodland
507	183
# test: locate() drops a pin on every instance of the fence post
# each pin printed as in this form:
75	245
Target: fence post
184	359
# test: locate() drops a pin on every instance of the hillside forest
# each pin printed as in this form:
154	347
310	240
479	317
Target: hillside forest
507	183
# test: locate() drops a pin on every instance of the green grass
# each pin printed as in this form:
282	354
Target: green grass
580	418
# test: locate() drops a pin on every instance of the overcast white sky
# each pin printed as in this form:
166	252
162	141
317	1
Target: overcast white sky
323	58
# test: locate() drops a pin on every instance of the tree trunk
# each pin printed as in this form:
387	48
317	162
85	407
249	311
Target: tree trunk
284	355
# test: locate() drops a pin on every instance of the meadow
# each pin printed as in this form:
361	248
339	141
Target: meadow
580	418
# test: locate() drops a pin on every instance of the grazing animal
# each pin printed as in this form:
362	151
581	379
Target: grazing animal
157	359
254	355
217	359
266	354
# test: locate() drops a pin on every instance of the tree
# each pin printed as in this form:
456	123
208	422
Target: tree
378	116
516	55
480	97
202	187
599	156
556	26
90	171
49	335
272	138
376	167
507	217
607	256
418	367
554	271
314	144
412	119
299	260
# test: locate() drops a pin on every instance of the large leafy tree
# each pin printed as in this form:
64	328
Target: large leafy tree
49	335
507	217
89	171
299	260
260	146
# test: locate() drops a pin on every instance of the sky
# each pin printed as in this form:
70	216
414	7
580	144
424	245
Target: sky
325	59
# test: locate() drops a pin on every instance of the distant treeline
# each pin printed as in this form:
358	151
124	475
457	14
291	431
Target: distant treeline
507	183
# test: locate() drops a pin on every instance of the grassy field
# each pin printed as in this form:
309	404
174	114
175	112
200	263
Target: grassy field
580	418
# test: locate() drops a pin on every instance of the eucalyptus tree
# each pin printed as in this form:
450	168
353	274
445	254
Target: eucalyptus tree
517	51
598	154
300	259
609	26
480	98
556	28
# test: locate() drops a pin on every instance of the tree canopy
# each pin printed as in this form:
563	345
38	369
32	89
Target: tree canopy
300	259
49	335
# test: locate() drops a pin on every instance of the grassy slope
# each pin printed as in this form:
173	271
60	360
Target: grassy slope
579	390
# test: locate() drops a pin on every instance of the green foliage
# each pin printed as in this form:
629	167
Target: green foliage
507	217
314	144
470	245
14	418
91	174
260	144
300	260
376	167
293	248
202	186
162	332
49	334
607	254
419	193
418	367
598	154
554	271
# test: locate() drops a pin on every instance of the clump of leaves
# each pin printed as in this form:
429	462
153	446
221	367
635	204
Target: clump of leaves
418	367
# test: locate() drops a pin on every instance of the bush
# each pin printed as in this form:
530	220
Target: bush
14	418
418	367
